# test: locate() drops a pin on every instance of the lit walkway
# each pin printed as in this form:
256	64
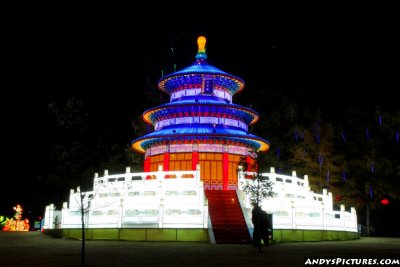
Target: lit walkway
36	249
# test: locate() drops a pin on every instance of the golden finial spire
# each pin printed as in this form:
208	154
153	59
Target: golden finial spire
201	43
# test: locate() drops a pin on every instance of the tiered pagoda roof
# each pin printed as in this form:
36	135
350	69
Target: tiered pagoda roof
200	109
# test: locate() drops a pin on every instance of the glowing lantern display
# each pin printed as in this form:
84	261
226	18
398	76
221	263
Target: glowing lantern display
16	223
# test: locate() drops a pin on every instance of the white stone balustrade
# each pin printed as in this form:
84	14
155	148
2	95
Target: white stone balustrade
175	199
295	206
163	199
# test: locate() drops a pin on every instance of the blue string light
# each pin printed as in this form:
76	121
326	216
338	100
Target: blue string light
343	137
371	192
320	159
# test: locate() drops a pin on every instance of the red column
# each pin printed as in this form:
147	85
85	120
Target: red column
225	171
248	160
166	162
195	159
147	164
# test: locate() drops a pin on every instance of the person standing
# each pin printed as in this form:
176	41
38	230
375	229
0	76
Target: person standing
256	220
259	218
265	225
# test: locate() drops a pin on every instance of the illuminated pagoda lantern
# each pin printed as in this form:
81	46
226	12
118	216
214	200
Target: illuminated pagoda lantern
199	134
201	125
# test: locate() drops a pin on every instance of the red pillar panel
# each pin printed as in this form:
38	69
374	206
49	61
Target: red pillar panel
147	164
225	171
195	159
166	162
248	161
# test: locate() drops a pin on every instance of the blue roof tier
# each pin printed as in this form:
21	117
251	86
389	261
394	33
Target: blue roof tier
196	105
201	109
194	74
200	132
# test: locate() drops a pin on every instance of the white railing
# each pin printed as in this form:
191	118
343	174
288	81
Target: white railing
163	199
295	206
52	218
175	199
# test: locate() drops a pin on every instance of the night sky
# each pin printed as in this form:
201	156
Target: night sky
328	61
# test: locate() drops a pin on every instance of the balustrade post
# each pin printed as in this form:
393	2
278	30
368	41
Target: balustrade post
306	184
343	215
161	214
159	173
330	201
198	178
120	213
240	177
294	226
353	214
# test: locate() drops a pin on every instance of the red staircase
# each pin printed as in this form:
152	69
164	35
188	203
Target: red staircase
227	218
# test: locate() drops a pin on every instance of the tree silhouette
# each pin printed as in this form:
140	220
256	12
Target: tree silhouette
80	146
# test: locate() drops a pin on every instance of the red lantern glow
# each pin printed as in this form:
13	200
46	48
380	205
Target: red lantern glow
385	201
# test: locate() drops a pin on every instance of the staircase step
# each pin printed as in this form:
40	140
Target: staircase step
227	218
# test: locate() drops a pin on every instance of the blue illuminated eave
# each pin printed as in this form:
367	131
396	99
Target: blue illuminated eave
200	67
199	132
200	102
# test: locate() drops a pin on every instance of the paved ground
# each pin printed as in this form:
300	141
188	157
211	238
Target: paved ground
37	249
